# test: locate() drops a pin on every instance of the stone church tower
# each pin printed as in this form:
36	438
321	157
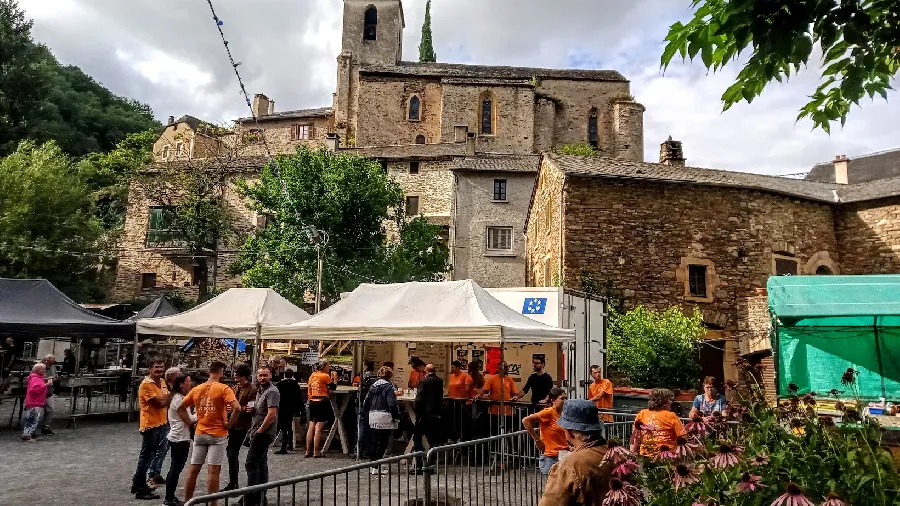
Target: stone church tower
372	35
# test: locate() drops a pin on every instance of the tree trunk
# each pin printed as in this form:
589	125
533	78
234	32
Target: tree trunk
203	281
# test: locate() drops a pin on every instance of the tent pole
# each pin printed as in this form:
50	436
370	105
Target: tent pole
256	348
234	361
77	357
878	355
134	370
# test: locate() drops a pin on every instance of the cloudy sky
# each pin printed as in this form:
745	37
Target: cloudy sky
168	53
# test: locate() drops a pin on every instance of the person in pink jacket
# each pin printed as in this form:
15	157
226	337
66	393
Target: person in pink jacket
35	398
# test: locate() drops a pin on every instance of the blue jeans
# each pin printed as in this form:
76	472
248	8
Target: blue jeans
151	441
159	457
545	463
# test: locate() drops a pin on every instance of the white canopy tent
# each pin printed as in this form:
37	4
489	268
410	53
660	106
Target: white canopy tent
238	313
450	311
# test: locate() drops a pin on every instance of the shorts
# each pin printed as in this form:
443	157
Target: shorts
208	449
546	462
320	411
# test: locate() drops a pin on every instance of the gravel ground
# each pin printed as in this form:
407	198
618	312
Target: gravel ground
92	465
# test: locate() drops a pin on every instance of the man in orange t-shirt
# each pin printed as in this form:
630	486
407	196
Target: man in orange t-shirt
153	397
500	387
211	400
417	373
600	392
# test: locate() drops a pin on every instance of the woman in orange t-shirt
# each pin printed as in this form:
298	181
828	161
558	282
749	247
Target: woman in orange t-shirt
662	427
459	391
319	407
552	438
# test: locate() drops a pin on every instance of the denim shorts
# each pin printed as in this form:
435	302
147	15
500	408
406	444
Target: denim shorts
545	463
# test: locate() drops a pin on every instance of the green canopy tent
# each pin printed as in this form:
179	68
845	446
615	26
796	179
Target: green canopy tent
823	325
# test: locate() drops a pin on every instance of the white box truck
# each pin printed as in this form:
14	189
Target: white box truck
566	309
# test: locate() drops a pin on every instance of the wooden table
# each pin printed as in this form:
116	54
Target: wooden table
340	401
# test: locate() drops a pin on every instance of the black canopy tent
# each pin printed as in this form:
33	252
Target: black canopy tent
34	308
157	308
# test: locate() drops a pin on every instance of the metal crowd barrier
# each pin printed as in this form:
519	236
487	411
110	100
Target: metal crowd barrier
99	395
348	485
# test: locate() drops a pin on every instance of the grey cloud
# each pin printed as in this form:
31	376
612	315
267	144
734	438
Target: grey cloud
288	49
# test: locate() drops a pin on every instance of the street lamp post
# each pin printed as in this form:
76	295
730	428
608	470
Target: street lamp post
318	238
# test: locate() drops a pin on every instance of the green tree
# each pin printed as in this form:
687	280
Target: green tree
859	40
426	46
656	349
108	176
22	83
47	228
42	100
350	198
195	218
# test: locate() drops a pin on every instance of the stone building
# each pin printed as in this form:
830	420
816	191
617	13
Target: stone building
437	128
665	234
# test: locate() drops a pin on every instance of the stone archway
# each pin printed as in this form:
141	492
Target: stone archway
821	264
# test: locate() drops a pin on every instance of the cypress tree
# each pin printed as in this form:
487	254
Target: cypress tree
426	48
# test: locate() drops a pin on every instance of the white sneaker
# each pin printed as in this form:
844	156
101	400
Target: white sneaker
374	471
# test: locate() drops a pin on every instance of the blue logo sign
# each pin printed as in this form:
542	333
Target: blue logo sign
534	306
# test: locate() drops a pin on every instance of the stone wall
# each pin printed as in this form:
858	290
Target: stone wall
195	145
174	272
544	235
278	135
514	115
869	237
628	128
384	111
643	235
433	184
574	100
474	211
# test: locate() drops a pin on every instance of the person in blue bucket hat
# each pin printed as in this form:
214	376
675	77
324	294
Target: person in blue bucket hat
581	477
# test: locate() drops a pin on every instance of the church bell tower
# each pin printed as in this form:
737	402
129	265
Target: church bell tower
373	31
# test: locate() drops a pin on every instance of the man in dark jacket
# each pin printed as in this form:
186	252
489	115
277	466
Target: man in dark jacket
429	405
288	408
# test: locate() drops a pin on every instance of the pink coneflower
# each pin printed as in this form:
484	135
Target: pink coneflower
727	456
760	460
749	483
624	469
697	426
616	453
622	494
686	447
793	496
666	453
685	475
833	500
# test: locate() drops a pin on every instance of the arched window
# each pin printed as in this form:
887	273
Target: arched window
413	112
420	139
592	128
370	30
823	270
487	114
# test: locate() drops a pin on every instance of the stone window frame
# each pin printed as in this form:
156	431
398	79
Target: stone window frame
409	117
370	23
712	279
818	260
146	277
422	138
166	152
415	167
486	95
547	217
179	148
420	204
497	252
505	182
784	256
593	122
297	128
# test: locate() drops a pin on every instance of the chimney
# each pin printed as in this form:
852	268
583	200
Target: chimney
260	106
841	165
332	141
271	107
471	138
459	133
670	153
171	121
